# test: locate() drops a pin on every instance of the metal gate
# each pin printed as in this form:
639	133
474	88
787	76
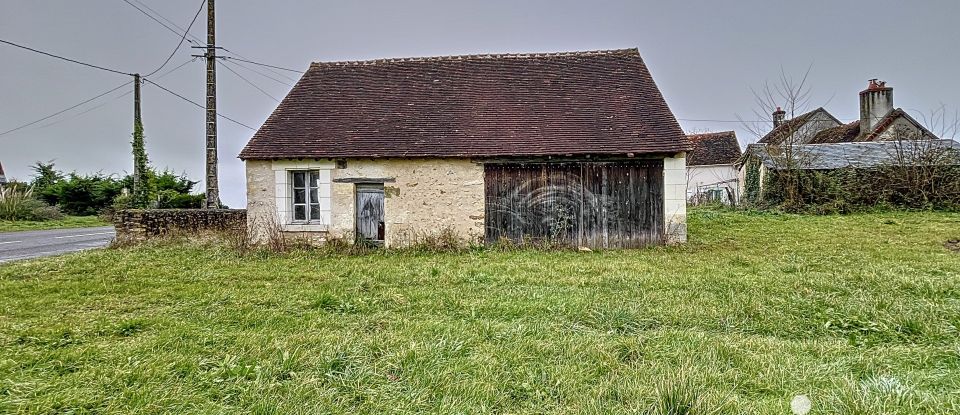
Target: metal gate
597	205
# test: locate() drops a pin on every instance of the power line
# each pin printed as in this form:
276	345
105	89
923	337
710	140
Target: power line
198	105
169	21
63	111
96	107
66	59
264	65
178	33
181	40
156	16
250	83
274	71
258	72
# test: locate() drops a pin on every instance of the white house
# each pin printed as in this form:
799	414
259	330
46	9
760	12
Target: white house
711	168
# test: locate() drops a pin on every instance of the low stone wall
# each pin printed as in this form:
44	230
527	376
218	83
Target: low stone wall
136	225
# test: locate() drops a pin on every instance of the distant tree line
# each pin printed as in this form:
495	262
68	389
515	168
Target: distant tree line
51	193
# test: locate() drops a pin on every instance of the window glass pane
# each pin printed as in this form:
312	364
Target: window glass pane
313	196
314	212
298	179
299	196
314	178
300	212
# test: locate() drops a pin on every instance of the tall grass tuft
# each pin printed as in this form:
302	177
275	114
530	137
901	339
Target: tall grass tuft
17	203
681	394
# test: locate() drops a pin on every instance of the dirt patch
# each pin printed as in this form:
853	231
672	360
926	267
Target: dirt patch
952	245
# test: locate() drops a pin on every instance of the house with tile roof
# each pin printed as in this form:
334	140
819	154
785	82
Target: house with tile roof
816	140
577	148
767	159
712	167
879	121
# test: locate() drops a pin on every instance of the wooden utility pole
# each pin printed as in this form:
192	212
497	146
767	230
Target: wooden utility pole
213	188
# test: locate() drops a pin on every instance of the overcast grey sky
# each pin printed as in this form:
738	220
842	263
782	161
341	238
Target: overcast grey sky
704	55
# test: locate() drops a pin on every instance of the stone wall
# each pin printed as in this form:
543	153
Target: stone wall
136	225
422	197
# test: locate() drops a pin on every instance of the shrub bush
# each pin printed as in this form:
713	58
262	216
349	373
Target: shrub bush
18	203
917	176
103	194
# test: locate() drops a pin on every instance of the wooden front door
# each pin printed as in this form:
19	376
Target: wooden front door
597	204
369	220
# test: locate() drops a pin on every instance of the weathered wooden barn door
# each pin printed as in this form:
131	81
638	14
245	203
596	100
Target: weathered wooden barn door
598	205
370	225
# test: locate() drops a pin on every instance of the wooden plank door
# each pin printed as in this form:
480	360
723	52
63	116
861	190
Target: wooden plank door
598	205
370	213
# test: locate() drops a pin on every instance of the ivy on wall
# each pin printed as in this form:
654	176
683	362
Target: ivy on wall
751	191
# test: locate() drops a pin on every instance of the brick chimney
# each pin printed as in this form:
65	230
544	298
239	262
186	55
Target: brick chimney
778	117
875	102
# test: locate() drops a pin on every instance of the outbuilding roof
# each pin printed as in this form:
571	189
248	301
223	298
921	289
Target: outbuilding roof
862	154
599	102
713	148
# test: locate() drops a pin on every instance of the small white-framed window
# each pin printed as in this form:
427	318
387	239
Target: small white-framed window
305	190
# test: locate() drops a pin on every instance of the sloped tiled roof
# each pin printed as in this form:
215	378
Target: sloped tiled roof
888	120
857	154
601	102
713	148
787	127
842	134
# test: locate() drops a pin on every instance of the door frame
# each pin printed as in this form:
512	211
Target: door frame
376	188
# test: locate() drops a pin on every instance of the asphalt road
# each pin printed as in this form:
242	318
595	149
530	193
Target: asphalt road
34	244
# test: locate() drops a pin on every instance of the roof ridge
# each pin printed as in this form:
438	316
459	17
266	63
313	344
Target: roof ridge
876	143
713	133
528	55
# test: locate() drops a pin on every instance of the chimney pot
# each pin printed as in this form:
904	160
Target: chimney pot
778	117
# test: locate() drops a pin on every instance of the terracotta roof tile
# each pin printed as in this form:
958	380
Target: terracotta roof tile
713	148
843	134
602	102
780	133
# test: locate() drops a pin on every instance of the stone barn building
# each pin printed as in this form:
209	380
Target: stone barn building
578	148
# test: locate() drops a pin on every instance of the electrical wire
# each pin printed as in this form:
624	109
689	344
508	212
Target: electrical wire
263	64
172	23
156	16
249	82
258	72
182	38
64	110
198	105
125	94
178	33
65	58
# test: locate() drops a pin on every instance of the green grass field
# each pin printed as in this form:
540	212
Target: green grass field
861	313
66	222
